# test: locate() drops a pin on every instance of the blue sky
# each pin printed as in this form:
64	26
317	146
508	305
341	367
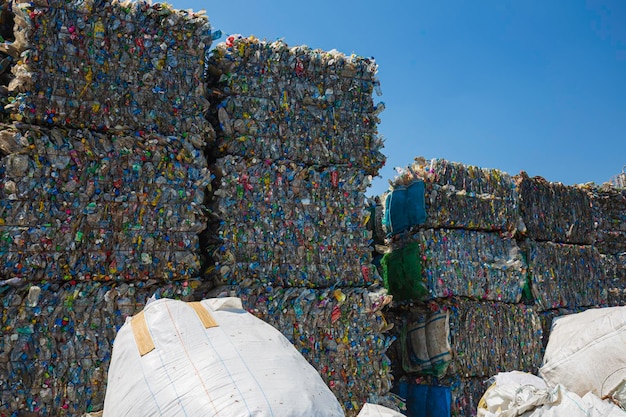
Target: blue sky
529	85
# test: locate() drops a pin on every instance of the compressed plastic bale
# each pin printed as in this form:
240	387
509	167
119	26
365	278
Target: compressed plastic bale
297	103
609	215
111	64
56	340
566	275
479	265
464	196
555	212
341	332
74	203
291	224
484	337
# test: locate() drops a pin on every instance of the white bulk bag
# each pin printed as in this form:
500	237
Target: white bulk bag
210	358
586	352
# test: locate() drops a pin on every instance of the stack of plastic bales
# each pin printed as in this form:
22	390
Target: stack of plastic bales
608	203
101	193
298	143
567	270
462	254
569	229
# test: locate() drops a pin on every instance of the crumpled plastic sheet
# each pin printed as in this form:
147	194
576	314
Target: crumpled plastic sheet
110	64
298	103
75	204
469	263
609	215
464	196
569	276
555	212
486	337
56	340
292	224
340	331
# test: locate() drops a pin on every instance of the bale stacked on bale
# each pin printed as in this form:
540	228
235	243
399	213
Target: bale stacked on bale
609	215
109	65
81	205
101	193
297	147
468	323
455	262
555	212
480	338
297	103
566	275
292	224
298	186
464	196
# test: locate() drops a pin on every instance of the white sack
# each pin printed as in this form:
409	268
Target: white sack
586	352
374	410
513	392
242	367
511	398
571	405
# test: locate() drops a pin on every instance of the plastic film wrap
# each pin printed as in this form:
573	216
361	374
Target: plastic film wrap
339	331
79	205
568	275
555	212
464	196
110	64
297	103
56	341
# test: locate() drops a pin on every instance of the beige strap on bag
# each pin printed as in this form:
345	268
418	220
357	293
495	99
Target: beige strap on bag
143	339
203	314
